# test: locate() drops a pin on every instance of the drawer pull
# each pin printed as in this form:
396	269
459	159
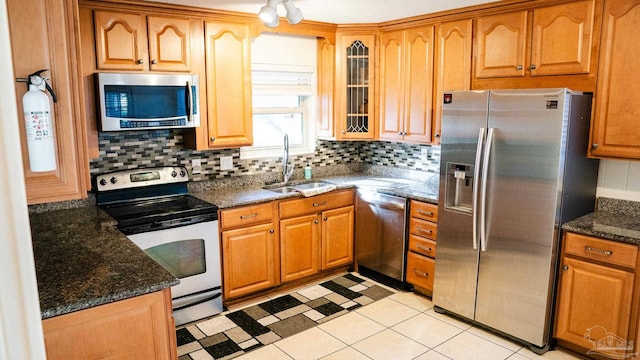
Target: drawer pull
320	204
427	249
248	216
426	231
420	273
271	231
598	251
425	213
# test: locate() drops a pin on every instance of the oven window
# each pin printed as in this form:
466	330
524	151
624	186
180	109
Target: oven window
182	258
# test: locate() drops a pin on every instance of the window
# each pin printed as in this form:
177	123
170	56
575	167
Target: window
283	101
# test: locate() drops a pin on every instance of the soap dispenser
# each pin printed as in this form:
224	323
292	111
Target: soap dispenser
307	171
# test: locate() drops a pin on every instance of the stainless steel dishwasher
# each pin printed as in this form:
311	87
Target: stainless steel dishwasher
380	237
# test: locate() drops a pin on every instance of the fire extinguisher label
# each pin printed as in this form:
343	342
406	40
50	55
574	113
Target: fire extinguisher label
38	125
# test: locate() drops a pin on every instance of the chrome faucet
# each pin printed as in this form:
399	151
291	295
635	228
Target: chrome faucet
287	170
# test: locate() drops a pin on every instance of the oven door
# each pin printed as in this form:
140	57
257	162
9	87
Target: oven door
192	254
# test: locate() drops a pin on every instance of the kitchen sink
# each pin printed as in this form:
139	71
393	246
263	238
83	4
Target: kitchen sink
282	189
312	185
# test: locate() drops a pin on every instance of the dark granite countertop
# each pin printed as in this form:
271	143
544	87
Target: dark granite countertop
424	189
614	219
82	261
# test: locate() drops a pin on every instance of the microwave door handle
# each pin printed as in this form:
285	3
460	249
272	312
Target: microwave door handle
189	101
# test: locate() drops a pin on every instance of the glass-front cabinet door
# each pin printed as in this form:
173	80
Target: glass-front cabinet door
355	110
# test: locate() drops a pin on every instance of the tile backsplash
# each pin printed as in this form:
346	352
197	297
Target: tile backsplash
149	148
619	179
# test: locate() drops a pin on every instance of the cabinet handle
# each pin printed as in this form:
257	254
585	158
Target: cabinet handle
248	216
271	231
565	268
598	251
594	146
344	132
427	249
212	139
154	61
325	218
426	213
519	67
532	67
139	61
316	221
420	273
437	135
320	204
426	231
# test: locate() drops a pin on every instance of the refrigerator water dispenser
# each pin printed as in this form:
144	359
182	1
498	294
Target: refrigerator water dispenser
459	187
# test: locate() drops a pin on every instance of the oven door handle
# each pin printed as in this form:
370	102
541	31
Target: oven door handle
195	299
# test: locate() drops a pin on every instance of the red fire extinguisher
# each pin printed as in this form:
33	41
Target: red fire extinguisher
38	122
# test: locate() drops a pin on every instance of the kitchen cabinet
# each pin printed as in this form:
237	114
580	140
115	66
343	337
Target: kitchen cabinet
141	327
355	97
34	47
406	79
614	129
326	70
229	102
595	292
553	40
250	260
129	41
316	234
453	54
423	233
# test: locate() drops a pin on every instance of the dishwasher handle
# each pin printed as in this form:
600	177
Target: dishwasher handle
382	201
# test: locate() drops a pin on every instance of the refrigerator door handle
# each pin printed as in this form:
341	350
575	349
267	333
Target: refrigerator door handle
476	182
483	193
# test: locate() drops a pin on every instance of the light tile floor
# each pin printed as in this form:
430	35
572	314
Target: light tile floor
401	326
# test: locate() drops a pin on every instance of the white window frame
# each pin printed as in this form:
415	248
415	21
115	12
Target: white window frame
307	108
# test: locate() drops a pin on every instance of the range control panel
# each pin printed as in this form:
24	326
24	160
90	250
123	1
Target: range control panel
141	177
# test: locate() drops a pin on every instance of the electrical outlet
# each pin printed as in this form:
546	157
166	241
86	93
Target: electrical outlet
196	166
226	163
424	154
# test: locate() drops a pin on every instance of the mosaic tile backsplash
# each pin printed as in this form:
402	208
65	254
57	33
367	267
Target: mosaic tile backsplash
149	148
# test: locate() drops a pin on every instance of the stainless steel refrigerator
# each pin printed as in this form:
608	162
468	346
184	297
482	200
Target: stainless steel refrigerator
513	169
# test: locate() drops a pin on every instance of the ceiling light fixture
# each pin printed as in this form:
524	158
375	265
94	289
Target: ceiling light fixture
269	13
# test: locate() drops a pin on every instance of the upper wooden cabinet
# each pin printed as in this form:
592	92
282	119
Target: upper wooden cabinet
228	69
126	41
453	54
43	37
355	99
406	79
558	41
615	129
326	81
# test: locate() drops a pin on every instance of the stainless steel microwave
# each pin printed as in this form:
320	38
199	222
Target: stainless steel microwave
147	101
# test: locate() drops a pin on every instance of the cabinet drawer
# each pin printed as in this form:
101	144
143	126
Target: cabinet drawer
422	246
423	211
247	215
420	271
608	251
423	228
297	207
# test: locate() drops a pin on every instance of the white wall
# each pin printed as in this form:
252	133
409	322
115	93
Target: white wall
619	179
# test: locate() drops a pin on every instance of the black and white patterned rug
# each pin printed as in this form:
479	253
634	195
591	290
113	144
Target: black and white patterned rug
230	335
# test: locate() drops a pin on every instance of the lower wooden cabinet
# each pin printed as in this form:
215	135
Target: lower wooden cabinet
316	234
423	231
337	237
299	247
258	245
595	295
420	270
137	328
249	249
